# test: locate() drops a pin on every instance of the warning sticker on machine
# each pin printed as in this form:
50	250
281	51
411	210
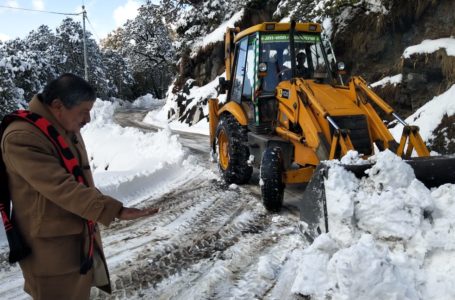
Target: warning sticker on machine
280	37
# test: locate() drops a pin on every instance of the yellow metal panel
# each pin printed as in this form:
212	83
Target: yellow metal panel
298	176
236	110
334	101
304	155
289	106
213	118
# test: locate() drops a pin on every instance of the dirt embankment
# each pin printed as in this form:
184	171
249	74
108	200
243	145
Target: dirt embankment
372	46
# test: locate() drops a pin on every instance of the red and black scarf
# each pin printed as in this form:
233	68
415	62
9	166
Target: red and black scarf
18	248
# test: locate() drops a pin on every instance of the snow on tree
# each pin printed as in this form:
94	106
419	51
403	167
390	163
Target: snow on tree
202	17
148	48
70	56
26	65
24	71
10	95
317	10
41	39
118	73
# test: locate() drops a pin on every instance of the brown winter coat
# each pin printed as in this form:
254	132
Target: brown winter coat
51	206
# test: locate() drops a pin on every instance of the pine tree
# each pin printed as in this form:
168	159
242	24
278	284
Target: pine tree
69	56
29	68
147	46
10	95
118	74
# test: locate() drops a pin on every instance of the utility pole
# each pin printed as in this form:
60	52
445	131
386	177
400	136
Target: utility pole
84	15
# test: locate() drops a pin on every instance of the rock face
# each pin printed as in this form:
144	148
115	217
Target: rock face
379	42
209	61
372	46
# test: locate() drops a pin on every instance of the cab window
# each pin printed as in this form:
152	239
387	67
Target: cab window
241	55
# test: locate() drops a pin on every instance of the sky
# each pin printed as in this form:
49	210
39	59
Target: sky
103	15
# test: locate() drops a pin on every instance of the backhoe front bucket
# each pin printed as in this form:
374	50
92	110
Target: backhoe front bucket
431	171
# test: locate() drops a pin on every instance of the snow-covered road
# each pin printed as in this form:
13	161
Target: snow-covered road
209	240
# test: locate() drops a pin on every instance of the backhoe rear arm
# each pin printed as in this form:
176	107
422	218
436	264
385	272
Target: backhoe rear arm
410	136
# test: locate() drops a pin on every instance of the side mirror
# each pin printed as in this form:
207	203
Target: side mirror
223	85
341	68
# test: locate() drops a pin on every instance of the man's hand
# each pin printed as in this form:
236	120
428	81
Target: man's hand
129	213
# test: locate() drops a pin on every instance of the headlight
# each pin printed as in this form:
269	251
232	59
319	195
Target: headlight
262	67
341	66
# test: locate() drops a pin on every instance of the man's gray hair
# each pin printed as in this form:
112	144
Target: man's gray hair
70	89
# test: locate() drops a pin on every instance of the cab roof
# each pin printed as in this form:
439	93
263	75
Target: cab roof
279	27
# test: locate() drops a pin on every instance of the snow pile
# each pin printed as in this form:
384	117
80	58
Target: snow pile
389	80
217	35
430	46
382	244
126	162
429	116
147	101
196	97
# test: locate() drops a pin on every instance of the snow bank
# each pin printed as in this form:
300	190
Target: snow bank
392	80
147	101
380	245
218	34
126	162
430	46
197	94
429	116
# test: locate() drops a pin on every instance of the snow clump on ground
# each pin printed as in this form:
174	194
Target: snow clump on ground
390	237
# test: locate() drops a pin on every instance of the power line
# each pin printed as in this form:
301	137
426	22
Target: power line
42	11
94	32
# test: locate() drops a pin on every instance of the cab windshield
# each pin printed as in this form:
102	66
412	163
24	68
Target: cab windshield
310	58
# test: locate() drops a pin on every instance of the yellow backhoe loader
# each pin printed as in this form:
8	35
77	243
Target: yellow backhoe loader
287	110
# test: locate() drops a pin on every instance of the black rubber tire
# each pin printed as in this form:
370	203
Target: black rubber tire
237	171
272	186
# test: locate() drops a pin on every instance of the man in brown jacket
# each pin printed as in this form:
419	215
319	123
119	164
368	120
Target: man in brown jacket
51	207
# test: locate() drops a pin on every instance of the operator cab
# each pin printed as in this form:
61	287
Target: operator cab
310	59
263	58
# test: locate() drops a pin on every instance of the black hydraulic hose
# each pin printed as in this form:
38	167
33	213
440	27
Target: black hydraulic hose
291	45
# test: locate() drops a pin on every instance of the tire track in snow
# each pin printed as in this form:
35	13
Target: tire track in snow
212	226
228	247
232	223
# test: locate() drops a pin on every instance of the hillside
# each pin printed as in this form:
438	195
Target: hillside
373	38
